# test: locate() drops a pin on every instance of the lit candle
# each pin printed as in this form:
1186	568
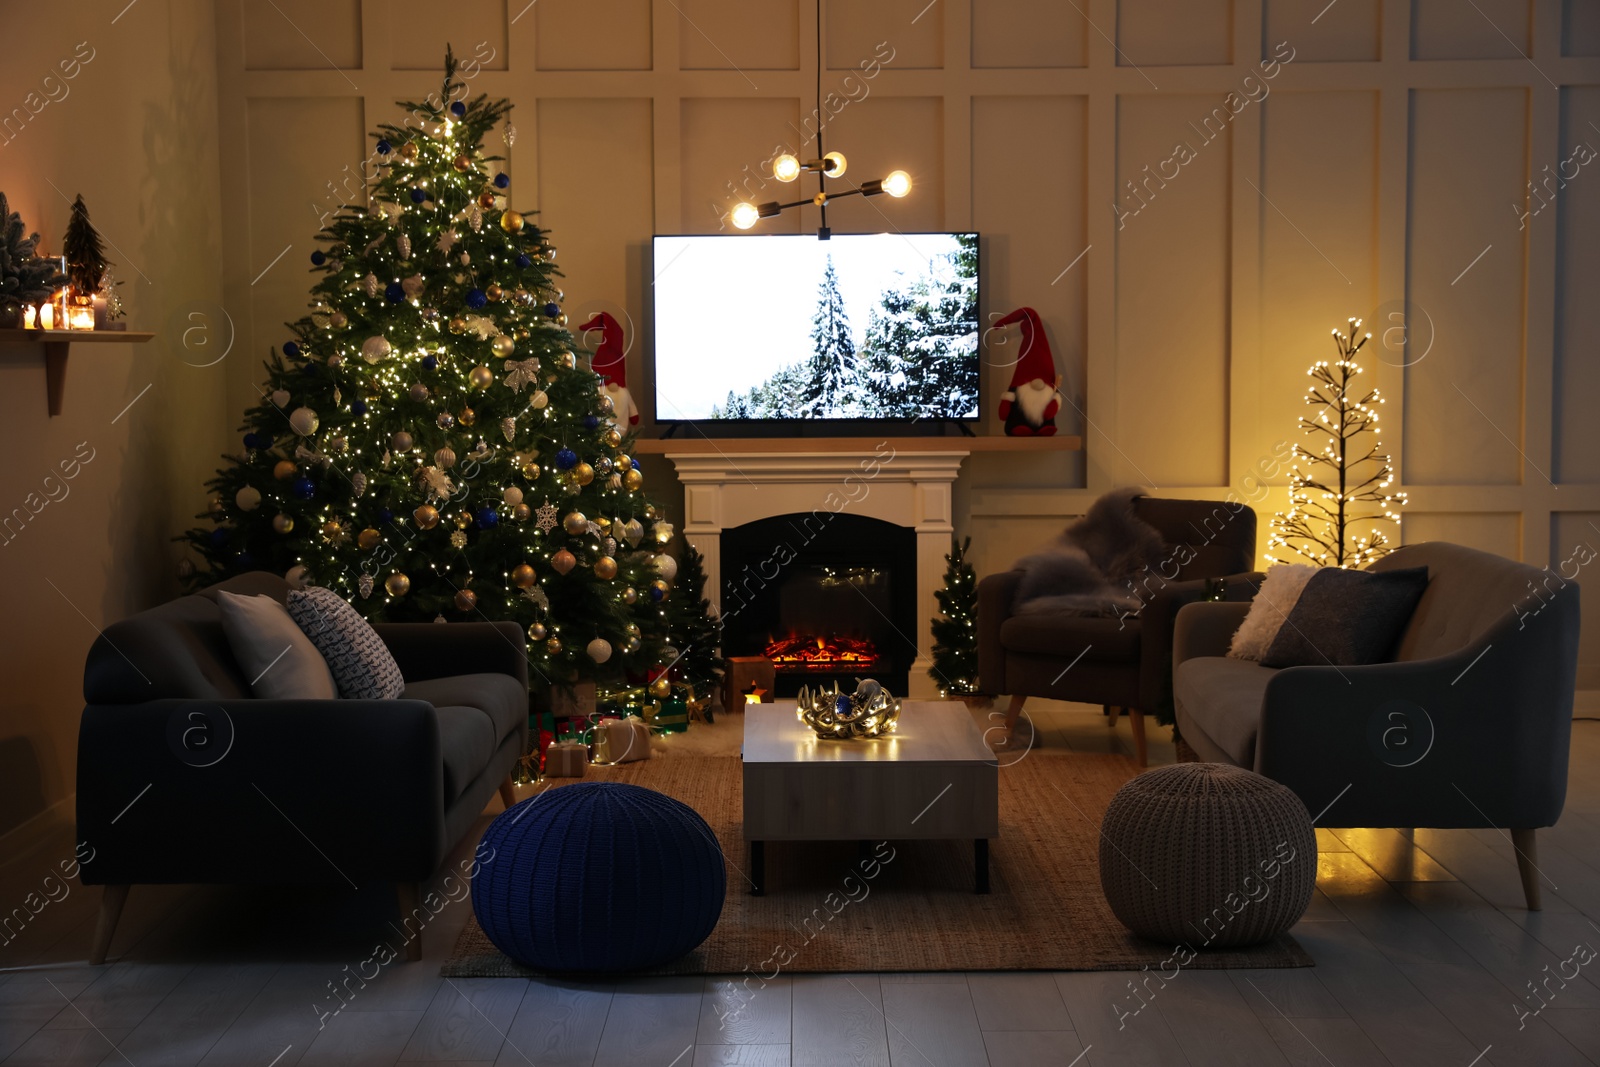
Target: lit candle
47	317
30	318
80	317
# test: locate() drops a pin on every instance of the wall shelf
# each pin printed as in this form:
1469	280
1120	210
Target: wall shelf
56	344
693	445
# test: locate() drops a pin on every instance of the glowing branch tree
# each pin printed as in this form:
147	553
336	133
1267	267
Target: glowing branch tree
1341	494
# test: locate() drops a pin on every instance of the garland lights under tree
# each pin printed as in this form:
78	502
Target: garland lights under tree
1330	521
428	445
955	633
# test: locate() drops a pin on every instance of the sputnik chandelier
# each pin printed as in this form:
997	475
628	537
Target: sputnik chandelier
788	168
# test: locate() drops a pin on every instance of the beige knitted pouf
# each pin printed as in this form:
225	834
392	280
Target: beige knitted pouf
1207	855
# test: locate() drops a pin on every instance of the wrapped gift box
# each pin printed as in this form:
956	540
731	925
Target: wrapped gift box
566	759
670	716
621	740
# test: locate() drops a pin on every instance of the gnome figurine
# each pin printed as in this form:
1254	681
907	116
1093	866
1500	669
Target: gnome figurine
610	364
1029	406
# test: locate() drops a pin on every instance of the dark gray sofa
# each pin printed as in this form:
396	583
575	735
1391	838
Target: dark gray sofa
1469	726
184	777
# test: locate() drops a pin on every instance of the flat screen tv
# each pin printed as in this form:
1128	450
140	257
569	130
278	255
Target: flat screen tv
859	327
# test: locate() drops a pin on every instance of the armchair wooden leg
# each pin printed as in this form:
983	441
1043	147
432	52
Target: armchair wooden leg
1113	712
508	792
1527	846
409	895
1136	720
1013	710
111	901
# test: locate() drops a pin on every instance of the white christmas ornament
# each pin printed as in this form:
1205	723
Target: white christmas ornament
539	399
413	285
303	421
297	576
599	650
633	532
512	496
248	498
403	243
666	566
375	348
280	397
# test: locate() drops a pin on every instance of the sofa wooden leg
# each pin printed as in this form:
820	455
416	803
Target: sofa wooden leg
1527	845
1013	710
111	901
409	896
1113	712
1136	720
508	792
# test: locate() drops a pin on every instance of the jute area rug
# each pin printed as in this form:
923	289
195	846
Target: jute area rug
1045	910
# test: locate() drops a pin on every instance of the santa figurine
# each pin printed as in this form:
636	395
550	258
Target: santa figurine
1029	407
610	364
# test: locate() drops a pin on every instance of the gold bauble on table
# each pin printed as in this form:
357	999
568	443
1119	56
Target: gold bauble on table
575	523
633	480
397	584
504	346
563	562
466	600
368	538
282	523
510	221
427	517
605	567
481	376
284	469
522	513
536	631
461	163
523	576
553	646
583	473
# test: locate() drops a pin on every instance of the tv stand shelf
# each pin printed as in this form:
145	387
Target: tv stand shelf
691	445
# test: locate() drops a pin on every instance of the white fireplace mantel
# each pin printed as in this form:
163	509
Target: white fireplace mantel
723	488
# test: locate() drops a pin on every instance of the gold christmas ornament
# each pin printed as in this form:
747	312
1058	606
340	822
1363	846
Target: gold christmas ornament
633	480
368	539
468	416
553	646
575	523
612	437
408	151
606	567
486	199
630	595
461	163
605	525
530	471
401	441
282	523
522	513
563	561
397	584
649	511
661	688
427	517
536	631
494	292
584	473
510	221
868	712
481	377
561	319
624	461
539	399
284	469
523	576
504	346
418	392
444	458
568	360
463	519
457	324
466	600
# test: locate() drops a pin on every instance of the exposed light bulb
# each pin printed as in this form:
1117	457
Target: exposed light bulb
744	215
839	164
897	184
786	168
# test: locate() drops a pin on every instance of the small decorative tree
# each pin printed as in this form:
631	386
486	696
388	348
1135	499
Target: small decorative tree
1336	501
86	256
24	276
694	629
955	633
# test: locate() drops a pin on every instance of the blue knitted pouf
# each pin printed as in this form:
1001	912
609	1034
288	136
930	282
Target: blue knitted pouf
598	877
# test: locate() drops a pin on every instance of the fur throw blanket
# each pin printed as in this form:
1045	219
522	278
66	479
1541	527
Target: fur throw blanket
1090	569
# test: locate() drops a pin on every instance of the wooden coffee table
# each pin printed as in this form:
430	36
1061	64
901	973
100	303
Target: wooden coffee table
933	778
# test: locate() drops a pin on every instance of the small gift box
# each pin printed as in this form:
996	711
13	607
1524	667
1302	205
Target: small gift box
623	740
670	716
566	759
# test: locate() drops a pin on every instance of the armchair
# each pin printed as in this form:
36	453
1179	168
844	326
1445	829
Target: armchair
184	777
1116	662
1469	726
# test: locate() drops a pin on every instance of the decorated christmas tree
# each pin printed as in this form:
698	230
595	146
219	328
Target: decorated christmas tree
1337	499
955	632
86	256
428	443
693	629
25	278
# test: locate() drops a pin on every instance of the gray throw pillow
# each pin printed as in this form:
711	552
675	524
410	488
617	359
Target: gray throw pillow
1347	618
360	662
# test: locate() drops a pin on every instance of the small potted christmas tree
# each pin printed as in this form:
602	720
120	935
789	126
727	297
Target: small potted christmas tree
26	279
955	632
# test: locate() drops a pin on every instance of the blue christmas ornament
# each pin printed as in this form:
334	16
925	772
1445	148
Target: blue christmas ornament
501	181
308	369
219	537
304	488
384	148
256	440
358	407
566	459
841	704
394	293
476	299
552	310
418	195
591	421
385	515
430	362
487	517
318	258
291	350
524	261
458	109
658	592
635	464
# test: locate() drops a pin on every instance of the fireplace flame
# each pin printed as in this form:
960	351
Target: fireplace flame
822	653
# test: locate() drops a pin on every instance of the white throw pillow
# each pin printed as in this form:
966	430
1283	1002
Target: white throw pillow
361	664
1274	600
277	658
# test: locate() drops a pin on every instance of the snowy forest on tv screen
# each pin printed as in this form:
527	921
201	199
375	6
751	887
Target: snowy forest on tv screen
918	356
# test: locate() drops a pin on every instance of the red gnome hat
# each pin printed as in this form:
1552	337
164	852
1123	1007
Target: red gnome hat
608	361
1030	409
1036	361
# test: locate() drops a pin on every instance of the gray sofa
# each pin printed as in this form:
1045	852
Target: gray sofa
1469	726
184	777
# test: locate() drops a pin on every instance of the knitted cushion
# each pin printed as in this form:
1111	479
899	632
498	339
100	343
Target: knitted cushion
598	877
362	666
1207	855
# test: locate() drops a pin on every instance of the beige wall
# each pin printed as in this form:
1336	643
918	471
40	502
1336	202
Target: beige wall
134	131
1373	167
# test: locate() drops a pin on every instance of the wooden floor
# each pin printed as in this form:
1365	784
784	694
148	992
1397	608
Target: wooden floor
1424	956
